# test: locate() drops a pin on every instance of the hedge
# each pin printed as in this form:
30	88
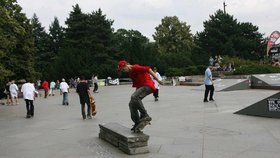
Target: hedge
256	69
186	71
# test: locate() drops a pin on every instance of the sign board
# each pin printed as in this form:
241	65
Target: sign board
273	104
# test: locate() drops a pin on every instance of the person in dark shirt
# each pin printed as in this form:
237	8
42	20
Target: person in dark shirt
83	91
7	92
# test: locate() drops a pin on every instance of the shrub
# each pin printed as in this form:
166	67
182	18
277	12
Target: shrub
237	61
186	71
256	69
174	72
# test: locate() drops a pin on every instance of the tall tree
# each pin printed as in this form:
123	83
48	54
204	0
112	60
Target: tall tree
42	41
56	35
77	28
101	40
88	43
173	36
224	35
133	46
17	43
174	42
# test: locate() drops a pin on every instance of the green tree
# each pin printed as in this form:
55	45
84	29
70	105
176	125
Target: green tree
174	43
17	43
56	35
88	43
131	45
224	35
42	44
173	36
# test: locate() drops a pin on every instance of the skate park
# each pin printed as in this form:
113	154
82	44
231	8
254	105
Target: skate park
115	79
182	126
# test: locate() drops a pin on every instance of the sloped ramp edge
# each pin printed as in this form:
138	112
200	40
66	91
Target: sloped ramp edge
268	107
238	86
257	82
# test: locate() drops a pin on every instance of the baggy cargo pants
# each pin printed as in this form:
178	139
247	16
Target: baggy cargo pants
136	104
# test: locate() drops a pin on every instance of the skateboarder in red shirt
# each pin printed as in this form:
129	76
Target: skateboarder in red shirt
144	85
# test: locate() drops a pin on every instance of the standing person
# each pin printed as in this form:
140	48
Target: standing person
8	93
64	90
220	59
84	91
95	81
155	94
144	85
211	61
14	92
28	91
52	87
57	84
209	84
45	86
38	84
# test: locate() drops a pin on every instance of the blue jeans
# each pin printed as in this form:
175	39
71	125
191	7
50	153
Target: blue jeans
65	98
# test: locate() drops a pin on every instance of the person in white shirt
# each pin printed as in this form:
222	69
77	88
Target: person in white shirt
95	82
64	89
14	92
52	87
209	84
28	91
156	84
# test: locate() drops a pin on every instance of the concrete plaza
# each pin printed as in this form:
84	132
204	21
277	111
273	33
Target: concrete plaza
182	126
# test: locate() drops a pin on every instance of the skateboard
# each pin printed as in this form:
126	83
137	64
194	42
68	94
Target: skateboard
142	125
92	105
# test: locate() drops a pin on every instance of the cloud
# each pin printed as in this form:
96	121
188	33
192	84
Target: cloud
145	15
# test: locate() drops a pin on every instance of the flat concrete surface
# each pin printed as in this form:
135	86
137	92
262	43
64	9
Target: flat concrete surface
182	126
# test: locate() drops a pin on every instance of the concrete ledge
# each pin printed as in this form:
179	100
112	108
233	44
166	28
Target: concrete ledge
121	137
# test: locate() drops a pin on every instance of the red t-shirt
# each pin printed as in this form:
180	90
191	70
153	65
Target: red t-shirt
141	77
45	85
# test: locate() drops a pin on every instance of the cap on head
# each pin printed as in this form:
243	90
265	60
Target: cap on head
121	64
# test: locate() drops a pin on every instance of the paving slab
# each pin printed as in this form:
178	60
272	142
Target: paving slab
182	126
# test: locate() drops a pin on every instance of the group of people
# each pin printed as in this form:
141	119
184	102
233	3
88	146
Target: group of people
217	62
31	90
144	79
275	63
28	90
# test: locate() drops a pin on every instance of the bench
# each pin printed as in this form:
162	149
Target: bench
121	137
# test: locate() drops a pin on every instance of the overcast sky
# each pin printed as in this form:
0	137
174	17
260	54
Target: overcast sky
145	15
